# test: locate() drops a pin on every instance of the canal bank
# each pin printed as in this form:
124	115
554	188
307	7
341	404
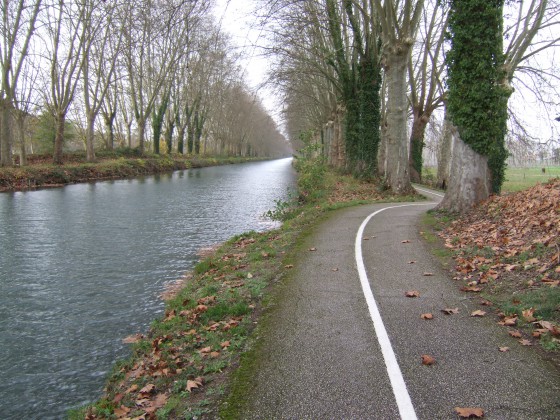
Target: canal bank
110	167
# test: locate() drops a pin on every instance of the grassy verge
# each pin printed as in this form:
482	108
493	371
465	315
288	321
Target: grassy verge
517	179
41	173
182	367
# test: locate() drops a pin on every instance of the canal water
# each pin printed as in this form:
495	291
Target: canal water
81	268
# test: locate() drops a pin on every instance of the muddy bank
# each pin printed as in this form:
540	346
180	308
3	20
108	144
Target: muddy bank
46	175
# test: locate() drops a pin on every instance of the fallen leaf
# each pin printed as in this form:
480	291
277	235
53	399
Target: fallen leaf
148	389
527	315
412	294
131	339
467	413
225	344
478	313
427	316
193	384
122	411
473	289
132	388
289	266
428	274
406	241
428	360
334	269
215	354
485	302
525	342
554	329
201	308
514	333
509	321
313	249
366	239
504	349
450	311
412	262
249	276
205	350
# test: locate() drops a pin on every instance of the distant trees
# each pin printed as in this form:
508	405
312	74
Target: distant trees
139	65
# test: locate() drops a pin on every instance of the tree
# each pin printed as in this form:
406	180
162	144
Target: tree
399	22
532	30
101	50
67	40
425	71
476	102
17	27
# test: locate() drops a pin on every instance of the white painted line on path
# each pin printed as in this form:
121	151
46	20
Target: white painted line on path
437	194
406	409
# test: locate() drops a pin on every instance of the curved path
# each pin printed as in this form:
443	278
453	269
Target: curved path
343	341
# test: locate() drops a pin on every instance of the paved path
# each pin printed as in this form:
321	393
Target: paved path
321	358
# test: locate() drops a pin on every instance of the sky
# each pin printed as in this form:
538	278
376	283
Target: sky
237	18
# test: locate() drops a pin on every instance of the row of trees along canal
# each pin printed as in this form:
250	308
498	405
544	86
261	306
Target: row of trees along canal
113	73
356	74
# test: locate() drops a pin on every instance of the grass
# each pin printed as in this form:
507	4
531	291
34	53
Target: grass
517	179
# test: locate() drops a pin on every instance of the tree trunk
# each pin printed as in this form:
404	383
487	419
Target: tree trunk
415	162
21	134
90	138
181	140
109	120
445	152
60	120
470	180
398	177
6	134
141	133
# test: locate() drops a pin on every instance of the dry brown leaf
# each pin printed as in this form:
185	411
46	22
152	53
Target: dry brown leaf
122	411
528	315
450	311
334	269
412	262
428	360
478	313
472	289
428	274
412	294
504	349
148	389
427	316
225	344
514	333
467	413
193	384
313	249
406	241
289	266
525	342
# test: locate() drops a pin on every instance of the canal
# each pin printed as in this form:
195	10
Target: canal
82	266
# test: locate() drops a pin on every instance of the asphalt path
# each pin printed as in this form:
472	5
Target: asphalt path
344	342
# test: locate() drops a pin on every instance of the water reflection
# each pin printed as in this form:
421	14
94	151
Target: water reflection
81	268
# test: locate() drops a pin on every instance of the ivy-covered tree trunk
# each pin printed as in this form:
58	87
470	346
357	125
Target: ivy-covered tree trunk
181	139
157	122
109	119
476	103
5	133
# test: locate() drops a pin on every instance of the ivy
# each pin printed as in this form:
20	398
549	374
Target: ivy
477	103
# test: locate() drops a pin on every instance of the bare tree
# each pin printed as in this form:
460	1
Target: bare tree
18	24
103	40
399	22
66	26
